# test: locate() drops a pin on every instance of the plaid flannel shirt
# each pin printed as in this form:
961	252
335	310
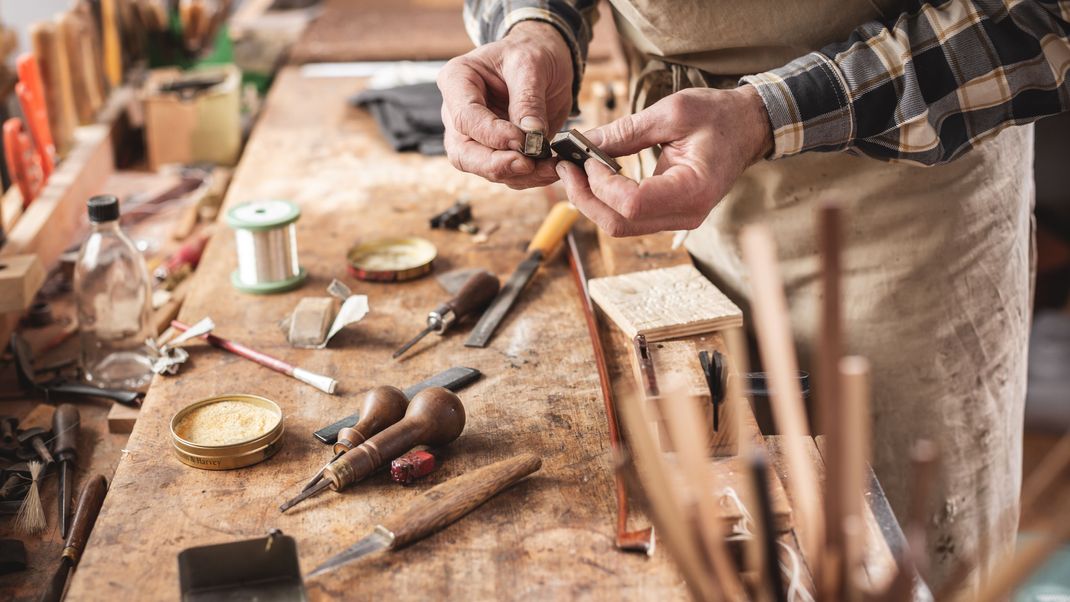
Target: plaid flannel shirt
923	88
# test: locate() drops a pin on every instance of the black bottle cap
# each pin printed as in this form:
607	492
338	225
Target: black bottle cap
103	208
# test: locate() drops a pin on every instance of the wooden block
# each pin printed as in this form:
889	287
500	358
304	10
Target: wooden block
20	277
665	303
39	416
310	321
676	361
121	418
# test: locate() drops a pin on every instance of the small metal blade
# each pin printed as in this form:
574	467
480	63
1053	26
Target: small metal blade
304	495
379	539
316	479
64	498
416	339
506	298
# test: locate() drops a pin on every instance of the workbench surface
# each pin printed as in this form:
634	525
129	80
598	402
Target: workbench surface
550	537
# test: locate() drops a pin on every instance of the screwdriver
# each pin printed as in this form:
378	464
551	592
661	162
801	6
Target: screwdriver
382	407
65	426
437	508
434	417
478	291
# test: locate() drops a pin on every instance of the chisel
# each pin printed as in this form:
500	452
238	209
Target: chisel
65	426
382	407
479	290
550	233
436	509
89	503
435	417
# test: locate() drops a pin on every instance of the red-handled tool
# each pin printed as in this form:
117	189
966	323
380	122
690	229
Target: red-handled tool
22	163
31	95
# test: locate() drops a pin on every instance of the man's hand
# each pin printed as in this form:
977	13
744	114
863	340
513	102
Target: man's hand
707	137
522	81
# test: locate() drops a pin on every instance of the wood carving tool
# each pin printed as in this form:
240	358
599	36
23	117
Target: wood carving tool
392	259
321	382
58	386
640	540
454	379
435	417
64	85
66	424
43	40
113	51
477	292
382	407
22	162
436	509
31	93
85	516
70	31
550	233
573	147
181	262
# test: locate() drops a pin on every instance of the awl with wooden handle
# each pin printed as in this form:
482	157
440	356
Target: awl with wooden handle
550	233
435	417
383	406
89	503
66	424
479	290
436	509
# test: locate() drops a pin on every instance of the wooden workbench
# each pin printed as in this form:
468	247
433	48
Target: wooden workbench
548	538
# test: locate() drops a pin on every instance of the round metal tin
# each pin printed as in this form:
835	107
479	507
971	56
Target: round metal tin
392	259
233	455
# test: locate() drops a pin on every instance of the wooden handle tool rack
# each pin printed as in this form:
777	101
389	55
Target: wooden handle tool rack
38	235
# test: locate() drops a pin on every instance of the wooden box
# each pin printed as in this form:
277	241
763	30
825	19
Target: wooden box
193	127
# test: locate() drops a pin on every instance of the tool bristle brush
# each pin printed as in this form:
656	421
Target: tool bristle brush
31	517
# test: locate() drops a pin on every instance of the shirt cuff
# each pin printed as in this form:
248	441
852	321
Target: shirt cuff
808	106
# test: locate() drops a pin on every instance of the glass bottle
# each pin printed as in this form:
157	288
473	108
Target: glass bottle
114	296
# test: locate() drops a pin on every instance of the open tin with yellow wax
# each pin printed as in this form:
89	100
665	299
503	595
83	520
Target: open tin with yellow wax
228	431
391	259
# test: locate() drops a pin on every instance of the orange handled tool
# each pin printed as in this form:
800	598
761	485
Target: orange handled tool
22	163
31	95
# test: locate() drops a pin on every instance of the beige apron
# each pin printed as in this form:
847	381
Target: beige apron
937	272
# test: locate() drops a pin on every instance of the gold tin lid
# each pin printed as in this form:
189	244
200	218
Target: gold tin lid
233	455
391	259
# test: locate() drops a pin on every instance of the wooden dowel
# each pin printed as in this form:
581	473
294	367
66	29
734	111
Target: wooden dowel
688	439
778	356
830	421
855	436
663	499
1050	468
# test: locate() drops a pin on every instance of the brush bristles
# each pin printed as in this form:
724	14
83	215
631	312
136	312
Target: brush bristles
31	517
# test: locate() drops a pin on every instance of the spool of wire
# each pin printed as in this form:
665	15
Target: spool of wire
266	237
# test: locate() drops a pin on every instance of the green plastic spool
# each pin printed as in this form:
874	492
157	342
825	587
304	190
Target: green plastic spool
264	216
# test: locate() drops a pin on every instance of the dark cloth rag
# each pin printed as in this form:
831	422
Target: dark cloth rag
410	117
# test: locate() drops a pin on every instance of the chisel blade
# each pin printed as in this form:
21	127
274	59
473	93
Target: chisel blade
377	540
504	301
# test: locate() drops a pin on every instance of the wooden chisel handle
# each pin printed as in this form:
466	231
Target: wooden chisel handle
554	228
85	516
444	504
